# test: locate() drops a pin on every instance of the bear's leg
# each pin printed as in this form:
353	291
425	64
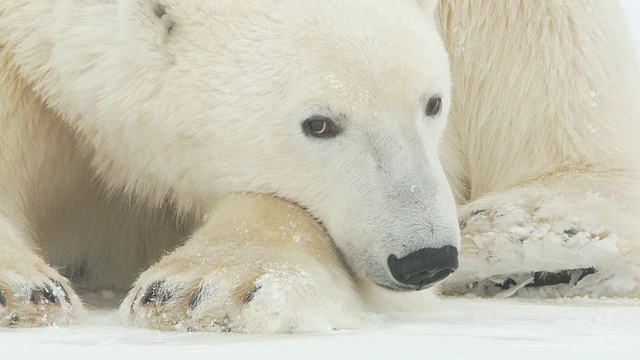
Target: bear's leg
31	292
259	264
545	132
31	147
564	236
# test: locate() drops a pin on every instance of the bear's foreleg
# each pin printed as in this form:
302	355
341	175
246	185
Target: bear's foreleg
259	264
569	235
542	147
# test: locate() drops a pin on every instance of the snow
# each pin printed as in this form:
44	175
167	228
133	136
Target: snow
465	328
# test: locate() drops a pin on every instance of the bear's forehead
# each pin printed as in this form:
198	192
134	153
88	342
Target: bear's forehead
367	42
355	53
371	29
370	71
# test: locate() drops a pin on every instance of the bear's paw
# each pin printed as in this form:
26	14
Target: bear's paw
251	296
39	297
541	245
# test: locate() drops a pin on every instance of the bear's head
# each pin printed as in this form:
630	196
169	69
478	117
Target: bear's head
335	105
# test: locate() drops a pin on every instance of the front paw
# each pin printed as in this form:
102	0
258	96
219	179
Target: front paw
534	244
260	264
209	294
36	297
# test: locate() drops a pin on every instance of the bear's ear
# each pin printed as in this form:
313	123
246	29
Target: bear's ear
146	20
428	6
166	19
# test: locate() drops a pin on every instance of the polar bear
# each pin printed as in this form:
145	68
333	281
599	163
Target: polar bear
126	124
133	127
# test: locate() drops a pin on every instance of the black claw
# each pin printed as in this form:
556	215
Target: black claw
547	278
508	283
35	297
586	272
3	299
542	278
14	320
60	287
155	294
462	223
43	295
196	298
250	295
571	232
134	302
49	296
151	293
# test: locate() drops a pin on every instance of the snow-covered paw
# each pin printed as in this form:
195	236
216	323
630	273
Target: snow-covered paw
537	246
36	299
243	296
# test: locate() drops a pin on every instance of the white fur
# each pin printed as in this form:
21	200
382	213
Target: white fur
258	245
140	125
141	116
543	143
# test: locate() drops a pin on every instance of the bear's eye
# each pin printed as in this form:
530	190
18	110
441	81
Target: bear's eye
320	127
434	106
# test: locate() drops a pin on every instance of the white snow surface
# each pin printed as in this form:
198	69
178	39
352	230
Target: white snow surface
463	328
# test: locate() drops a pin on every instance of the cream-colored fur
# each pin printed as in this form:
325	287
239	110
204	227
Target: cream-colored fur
139	124
542	144
260	264
124	132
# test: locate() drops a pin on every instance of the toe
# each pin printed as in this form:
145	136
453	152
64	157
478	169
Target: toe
196	298
250	295
48	295
61	289
156	295
35	297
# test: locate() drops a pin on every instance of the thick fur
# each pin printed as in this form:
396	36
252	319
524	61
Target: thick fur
124	131
260	264
142	115
542	144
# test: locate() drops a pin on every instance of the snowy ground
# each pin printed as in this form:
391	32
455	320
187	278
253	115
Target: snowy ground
465	329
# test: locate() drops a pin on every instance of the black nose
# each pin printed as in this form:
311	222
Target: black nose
424	267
